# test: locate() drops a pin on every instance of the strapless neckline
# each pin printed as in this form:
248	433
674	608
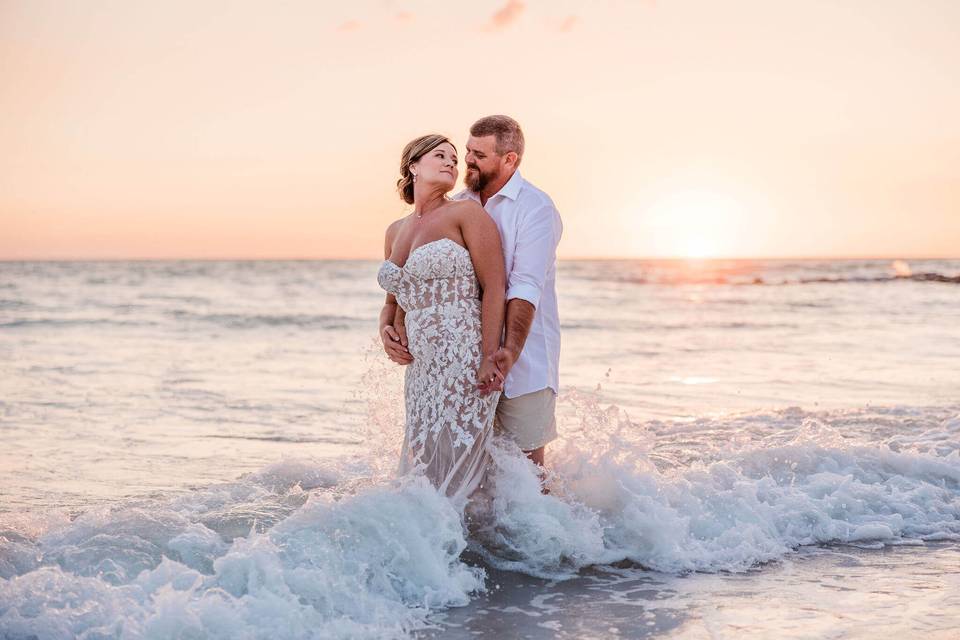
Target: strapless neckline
426	244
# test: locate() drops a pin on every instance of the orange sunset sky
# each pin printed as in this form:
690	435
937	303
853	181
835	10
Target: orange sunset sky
202	129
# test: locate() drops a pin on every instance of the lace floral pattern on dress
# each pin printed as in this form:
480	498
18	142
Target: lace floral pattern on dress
448	422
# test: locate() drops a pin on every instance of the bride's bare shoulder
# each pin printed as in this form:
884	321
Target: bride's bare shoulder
392	230
395	226
466	207
473	219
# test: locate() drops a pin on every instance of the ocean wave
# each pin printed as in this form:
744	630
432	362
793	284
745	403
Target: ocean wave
913	277
75	322
174	298
295	439
373	566
307	548
255	320
740	280
763	272
633	326
725	494
224	320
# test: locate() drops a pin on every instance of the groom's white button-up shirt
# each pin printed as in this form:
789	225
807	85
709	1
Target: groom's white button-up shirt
530	228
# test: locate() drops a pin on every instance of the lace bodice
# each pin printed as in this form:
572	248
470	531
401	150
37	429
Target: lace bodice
438	272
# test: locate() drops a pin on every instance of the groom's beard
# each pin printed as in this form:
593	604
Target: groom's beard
475	179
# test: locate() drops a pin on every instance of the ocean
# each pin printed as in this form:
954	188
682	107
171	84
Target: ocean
750	449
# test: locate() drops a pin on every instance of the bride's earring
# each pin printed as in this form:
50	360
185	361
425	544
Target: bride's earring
414	176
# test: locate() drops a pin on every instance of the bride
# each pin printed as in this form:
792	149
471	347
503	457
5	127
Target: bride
444	277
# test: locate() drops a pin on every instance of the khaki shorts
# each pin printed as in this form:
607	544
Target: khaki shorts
530	420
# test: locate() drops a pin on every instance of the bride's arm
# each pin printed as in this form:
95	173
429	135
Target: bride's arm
482	238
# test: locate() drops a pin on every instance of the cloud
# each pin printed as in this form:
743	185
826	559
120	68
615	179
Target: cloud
568	23
506	15
349	25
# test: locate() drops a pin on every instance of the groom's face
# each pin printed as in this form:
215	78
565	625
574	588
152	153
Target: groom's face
483	162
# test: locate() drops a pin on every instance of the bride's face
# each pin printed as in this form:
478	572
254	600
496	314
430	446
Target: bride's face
438	166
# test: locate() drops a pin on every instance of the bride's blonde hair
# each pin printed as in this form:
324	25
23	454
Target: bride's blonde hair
415	150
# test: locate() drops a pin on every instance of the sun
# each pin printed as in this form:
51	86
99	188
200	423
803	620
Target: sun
698	246
694	224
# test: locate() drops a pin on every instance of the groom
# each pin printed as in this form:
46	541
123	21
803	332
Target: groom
530	229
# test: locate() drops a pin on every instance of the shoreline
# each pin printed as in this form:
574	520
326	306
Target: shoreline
803	595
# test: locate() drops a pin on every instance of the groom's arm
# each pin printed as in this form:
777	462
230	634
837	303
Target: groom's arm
535	253
519	320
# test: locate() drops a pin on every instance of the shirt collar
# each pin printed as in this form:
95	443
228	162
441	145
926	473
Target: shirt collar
512	188
468	195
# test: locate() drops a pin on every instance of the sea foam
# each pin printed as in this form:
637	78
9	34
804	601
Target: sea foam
309	549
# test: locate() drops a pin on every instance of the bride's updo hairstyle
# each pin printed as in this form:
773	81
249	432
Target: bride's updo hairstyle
415	150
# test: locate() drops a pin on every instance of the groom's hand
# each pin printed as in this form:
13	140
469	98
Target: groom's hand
395	343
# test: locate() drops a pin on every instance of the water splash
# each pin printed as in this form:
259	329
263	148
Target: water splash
901	269
307	547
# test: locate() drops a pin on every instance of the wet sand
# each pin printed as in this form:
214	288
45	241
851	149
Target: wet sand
818	592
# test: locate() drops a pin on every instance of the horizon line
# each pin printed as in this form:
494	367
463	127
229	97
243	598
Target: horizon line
564	259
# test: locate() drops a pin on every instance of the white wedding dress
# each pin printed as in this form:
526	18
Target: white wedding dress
448	422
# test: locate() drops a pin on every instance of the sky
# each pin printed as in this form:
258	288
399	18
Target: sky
667	128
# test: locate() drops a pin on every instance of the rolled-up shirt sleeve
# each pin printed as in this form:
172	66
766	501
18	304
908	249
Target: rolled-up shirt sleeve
536	251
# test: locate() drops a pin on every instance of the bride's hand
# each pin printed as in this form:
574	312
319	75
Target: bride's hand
395	344
489	378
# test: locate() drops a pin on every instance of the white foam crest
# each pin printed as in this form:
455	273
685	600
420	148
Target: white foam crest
374	565
515	527
805	483
942	440
308	548
301	472
901	268
765	484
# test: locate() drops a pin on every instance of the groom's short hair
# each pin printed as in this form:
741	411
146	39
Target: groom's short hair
506	129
